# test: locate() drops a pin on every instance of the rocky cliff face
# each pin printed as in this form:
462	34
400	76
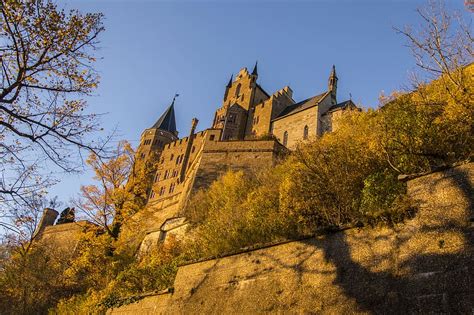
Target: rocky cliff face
422	266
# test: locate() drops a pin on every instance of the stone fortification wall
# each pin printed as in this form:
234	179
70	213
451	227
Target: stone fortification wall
65	236
210	159
422	266
248	155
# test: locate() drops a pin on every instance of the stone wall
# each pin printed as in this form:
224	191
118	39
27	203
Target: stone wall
295	124
209	160
422	266
65	236
248	155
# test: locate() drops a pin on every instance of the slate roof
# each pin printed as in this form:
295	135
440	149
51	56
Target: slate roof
261	89
167	121
298	107
345	104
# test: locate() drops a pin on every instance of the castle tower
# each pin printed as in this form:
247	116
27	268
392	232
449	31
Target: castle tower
332	85
161	133
240	97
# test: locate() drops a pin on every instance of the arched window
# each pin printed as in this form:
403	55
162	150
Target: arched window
305	132
285	138
237	90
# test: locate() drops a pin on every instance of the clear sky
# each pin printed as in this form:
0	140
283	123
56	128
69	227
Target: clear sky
153	49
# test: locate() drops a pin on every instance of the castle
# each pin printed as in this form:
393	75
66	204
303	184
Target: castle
252	129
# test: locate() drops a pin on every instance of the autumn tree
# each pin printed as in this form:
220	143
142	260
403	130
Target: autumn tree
121	190
46	68
104	202
431	125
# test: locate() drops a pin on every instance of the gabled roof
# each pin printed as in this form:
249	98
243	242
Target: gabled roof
343	105
167	121
298	107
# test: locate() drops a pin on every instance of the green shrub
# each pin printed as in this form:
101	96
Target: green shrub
383	198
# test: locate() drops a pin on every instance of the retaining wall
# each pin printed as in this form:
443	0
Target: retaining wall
422	266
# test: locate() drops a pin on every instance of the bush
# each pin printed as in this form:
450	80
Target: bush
237	211
383	198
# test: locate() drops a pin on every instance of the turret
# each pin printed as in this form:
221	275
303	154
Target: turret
167	121
162	132
228	86
255	70
332	85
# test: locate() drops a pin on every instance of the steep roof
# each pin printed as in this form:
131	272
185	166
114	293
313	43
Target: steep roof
298	107
167	120
261	89
345	104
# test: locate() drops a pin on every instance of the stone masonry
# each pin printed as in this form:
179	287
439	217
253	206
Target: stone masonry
423	266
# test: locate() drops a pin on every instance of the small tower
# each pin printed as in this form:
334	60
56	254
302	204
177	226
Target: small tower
162	132
332	85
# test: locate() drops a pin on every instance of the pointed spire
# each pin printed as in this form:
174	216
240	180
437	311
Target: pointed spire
333	71
332	85
230	81
255	71
167	120
332	82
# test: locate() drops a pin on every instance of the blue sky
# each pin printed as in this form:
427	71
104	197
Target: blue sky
152	49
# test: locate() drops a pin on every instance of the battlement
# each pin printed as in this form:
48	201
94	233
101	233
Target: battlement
286	91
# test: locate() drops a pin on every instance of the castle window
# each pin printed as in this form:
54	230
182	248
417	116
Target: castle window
172	188
152	194
212	137
305	132
157	177
162	190
142	155
237	90
172	157
285	138
167	172
193	148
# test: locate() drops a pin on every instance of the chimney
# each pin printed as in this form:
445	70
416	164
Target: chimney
182	173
